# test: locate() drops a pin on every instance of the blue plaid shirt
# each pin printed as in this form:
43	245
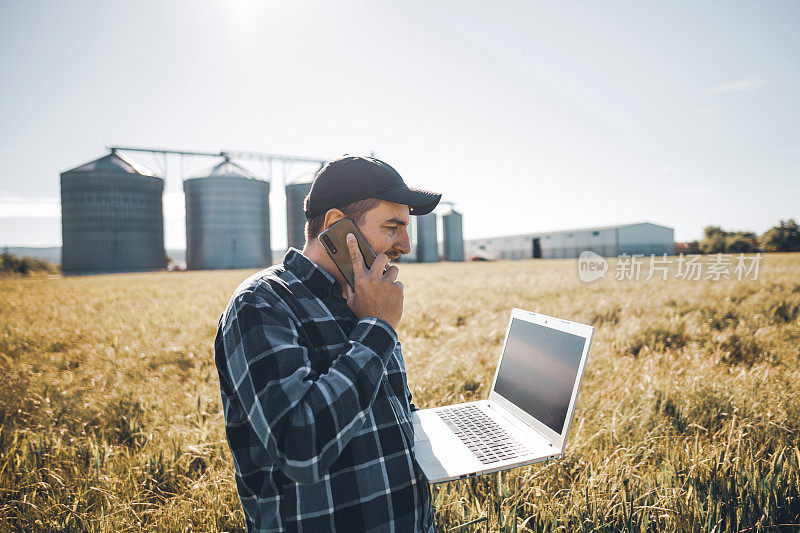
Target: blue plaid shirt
317	408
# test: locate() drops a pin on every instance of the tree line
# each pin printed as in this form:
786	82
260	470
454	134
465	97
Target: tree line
11	264
785	237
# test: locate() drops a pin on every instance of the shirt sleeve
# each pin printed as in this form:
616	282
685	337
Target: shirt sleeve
303	418
410	403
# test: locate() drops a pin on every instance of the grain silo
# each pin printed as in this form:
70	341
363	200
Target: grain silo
453	236
296	192
427	240
227	219
112	217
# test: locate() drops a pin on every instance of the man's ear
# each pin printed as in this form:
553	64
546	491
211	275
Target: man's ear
332	217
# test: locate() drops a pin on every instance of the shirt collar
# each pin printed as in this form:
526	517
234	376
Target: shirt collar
319	281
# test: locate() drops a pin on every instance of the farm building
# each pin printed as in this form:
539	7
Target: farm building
227	219
112	217
609	241
427	247
452	225
296	193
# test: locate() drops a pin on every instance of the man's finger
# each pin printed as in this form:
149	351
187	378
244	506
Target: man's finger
355	255
378	266
400	284
348	290
391	273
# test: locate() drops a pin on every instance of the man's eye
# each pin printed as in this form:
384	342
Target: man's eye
393	228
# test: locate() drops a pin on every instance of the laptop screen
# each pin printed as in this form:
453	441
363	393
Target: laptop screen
538	371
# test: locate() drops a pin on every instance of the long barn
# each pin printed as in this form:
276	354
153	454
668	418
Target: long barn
609	241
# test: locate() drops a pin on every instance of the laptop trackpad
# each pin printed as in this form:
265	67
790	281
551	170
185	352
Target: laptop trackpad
437	450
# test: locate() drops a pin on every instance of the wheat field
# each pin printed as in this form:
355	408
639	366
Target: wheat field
688	418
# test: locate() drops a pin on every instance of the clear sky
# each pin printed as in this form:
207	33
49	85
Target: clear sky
529	116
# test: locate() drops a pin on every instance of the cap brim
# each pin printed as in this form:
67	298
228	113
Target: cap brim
420	202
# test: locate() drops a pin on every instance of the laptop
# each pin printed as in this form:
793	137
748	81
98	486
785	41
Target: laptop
529	411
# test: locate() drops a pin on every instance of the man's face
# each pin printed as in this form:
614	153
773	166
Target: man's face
386	229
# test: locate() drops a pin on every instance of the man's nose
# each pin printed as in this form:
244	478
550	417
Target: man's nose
404	244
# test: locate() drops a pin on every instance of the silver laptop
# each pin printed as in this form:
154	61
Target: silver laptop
529	411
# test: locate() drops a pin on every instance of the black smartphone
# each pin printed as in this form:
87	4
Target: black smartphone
334	240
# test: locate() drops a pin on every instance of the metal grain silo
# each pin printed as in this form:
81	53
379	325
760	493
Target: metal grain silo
227	219
427	240
112	217
453	236
296	192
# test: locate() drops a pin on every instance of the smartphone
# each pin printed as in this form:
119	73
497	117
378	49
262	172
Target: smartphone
334	240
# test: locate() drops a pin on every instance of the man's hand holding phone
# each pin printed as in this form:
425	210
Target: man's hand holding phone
377	293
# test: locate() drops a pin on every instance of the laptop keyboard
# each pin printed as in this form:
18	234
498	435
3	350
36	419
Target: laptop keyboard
487	440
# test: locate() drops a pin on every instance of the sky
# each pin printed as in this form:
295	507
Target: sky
529	116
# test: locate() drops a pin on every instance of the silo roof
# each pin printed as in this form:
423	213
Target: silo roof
116	163
227	169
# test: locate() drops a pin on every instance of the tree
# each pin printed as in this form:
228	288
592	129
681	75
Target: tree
785	237
714	240
717	241
11	264
740	244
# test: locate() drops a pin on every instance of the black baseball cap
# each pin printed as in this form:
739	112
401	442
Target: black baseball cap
352	178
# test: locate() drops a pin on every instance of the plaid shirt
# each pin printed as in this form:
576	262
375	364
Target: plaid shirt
317	409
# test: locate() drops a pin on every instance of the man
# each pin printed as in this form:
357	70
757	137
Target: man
317	408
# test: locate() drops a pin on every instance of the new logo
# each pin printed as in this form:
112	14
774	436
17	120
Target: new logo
591	266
